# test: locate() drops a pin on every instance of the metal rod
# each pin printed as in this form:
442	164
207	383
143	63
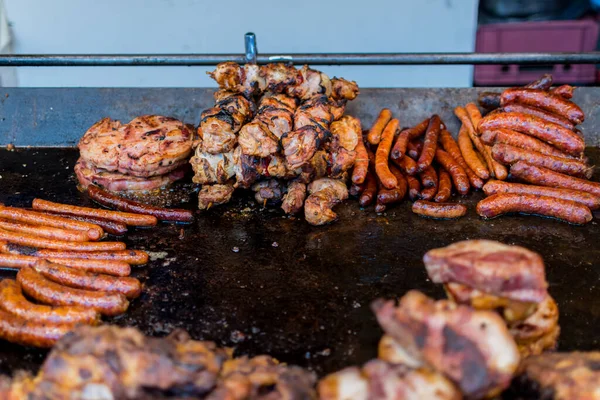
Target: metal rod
63	60
251	50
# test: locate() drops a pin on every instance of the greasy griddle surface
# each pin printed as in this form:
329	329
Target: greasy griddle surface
297	292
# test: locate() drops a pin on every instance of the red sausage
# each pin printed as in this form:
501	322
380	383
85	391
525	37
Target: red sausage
444	187
368	195
399	149
538	112
414	187
459	176
520	140
29	332
545	100
112	227
430	143
439	210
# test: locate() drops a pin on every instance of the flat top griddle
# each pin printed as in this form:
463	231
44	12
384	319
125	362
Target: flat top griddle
266	283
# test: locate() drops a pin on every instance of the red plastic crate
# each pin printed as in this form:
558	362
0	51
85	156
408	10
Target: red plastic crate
547	36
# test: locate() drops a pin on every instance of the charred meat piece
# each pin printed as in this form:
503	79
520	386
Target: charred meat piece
270	190
263	378
383	381
217	131
345	135
343	89
558	376
337	108
313	83
279	121
274	166
299	146
246	168
107	362
212	168
214	195
325	193
472	348
293	201
246	79
314	111
278	76
279	101
257	140
539	331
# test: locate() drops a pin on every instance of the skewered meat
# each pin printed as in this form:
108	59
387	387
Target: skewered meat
314	111
263	377
337	108
539	331
120	363
293	201
345	135
269	190
212	168
325	193
246	172
472	348
313	83
246	79
214	195
278	120
300	145
343	89
257	140
278	76
316	167
274	166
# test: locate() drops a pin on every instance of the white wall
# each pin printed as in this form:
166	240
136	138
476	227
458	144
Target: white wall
197	26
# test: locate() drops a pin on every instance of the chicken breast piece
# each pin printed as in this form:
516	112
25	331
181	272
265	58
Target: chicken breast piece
343	89
212	168
293	200
325	193
214	195
313	83
299	146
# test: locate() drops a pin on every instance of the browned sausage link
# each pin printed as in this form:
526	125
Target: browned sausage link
118	216
565	91
474	116
36	286
370	192
387	179
430	143
458	174
94	232
407	135
462	114
45	231
509	155
439	210
414	187
489	100
444	186
543	83
406	165
587	199
451	147
374	136
361	163
112	227
546	177
538	112
356	190
133	257
414	148
429	178
387	196
13	302
30	333
561	138
521	140
546	100
470	156
125	205
130	287
34	241
566	210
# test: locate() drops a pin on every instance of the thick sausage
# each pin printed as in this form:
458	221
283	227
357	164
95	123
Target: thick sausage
509	155
406	136
414	148
112	227
94	232
565	91
118	216
414	187
589	200
470	155
439	210
361	163
407	165
430	143
374	136
13	302
444	186
546	177
429	177
521	140
561	138
38	287
45	231
545	100
566	210
538	112
30	333
164	214
34	241
489	100
130	287
133	257
389	196
459	176
462	114
544	83
368	195
451	147
387	179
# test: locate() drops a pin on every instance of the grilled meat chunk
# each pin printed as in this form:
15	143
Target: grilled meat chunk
246	79
325	193
472	348
212	168
539	331
314	111
293	200
337	108
299	146
214	195
257	140
246	168
270	190
313	83
343	89
345	135
278	76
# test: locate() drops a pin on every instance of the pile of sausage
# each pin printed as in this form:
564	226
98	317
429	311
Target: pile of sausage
426	164
533	135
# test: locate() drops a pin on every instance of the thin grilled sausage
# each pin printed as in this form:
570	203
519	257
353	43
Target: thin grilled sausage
587	199
133	257
429	177
444	187
361	163
112	227
125	205
545	100
474	116
561	138
451	147
94	232
30	333
538	112
566	210
406	136
45	231
430	143
118	216
387	179
414	148
546	177
389	196
406	165
414	187
34	241
12	301
509	155
470	155
38	287
521	140
374	136
461	113
565	91
439	210
458	174
368	195
130	287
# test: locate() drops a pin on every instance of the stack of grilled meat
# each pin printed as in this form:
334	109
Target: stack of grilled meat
148	153
275	129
